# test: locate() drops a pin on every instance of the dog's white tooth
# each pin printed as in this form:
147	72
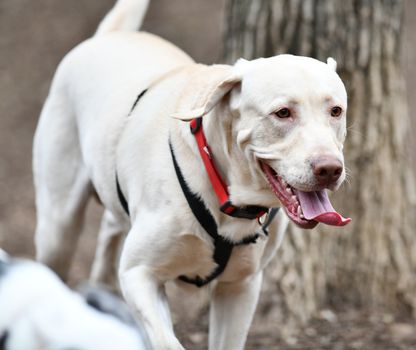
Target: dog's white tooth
288	190
294	199
300	212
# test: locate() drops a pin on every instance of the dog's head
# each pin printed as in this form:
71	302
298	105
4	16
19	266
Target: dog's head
288	125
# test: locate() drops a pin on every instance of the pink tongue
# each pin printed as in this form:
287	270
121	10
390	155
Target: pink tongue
316	206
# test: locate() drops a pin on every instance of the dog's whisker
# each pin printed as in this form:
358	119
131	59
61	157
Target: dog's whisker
352	129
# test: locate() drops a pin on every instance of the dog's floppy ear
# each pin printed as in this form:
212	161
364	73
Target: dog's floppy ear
207	86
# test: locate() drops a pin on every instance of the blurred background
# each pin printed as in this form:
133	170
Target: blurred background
35	35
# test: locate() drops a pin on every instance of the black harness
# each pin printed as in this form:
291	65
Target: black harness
222	247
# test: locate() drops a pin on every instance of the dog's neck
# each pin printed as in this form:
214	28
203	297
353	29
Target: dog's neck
244	188
239	171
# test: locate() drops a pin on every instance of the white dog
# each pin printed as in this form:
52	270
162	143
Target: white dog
37	311
116	124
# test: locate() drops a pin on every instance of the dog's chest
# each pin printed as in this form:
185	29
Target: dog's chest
193	257
244	261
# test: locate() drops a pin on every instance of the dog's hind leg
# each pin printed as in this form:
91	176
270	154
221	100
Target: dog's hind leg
110	238
61	182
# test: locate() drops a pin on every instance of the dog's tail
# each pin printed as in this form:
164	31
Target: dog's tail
126	15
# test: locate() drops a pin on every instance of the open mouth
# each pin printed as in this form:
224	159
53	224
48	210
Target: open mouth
306	209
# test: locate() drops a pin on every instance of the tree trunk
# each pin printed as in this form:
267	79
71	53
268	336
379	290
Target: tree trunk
372	261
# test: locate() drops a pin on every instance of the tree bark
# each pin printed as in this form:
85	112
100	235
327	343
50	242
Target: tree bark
371	262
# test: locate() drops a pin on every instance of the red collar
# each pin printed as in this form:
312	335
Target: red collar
219	186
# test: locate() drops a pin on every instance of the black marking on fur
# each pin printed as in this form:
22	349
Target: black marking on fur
3	339
137	101
106	302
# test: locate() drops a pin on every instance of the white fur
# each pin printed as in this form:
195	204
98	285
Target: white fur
39	312
332	63
125	15
85	137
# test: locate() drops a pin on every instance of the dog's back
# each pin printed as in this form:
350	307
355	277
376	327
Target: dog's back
91	94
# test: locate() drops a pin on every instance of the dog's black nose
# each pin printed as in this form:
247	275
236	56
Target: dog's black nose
327	169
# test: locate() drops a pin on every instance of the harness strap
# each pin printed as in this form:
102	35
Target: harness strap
222	247
120	194
272	213
121	197
139	96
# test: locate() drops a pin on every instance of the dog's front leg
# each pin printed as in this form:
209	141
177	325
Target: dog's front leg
145	294
232	309
148	299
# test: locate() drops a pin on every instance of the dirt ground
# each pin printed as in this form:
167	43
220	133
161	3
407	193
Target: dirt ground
34	37
343	330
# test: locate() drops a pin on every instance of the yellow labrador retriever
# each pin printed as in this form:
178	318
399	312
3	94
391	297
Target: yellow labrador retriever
191	162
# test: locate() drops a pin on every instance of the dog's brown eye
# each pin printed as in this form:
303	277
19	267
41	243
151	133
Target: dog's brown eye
336	111
283	113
